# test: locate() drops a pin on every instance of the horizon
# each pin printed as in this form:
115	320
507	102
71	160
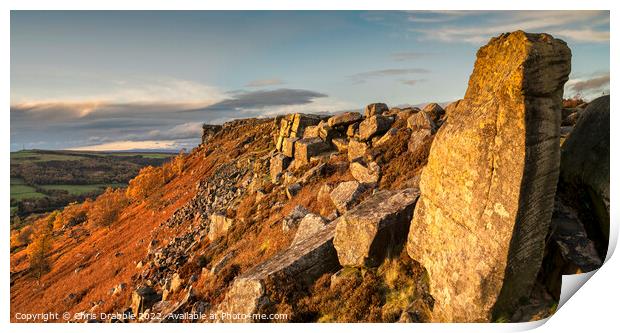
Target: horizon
127	80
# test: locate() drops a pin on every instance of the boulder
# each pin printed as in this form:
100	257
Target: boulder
391	133
293	218
366	174
292	190
375	109
344	119
311	132
293	126
451	107
418	140
585	160
346	194
176	283
434	110
374	125
421	121
219	226
353	130
307	148
309	226
356	149
375	229
302	263
315	172
220	264
487	190
277	165
326	132
142	299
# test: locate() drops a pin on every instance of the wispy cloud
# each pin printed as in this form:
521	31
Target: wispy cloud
264	83
589	87
364	76
410	55
412	82
579	26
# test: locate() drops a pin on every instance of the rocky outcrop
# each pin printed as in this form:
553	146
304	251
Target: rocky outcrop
278	164
209	131
374	125
293	126
308	148
488	188
585	159
302	262
375	228
375	109
344	119
434	110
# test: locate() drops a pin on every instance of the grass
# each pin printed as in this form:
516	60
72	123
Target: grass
81	189
19	190
24	156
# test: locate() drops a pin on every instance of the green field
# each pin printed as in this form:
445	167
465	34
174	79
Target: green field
36	156
20	191
81	189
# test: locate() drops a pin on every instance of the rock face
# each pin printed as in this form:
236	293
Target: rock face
368	233
303	262
487	191
585	159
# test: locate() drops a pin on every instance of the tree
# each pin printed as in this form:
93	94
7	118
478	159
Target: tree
146	182
107	207
41	246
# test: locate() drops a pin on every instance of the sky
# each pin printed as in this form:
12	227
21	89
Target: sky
121	80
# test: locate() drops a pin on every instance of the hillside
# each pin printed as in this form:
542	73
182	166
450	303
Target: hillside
387	215
44	180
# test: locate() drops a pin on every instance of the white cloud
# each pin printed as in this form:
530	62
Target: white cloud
129	145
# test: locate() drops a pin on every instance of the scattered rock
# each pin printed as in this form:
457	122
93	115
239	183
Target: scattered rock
391	133
375	229
342	144
421	121
434	110
356	149
219	226
176	283
220	264
314	172
488	187
294	217
353	130
288	146
346	194
209	131
292	190
368	175
142	299
418	140
375	109
309	226
374	125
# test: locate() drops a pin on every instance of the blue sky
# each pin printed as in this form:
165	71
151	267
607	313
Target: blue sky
149	79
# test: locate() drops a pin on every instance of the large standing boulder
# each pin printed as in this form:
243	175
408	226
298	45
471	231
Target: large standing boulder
487	191
585	159
375	228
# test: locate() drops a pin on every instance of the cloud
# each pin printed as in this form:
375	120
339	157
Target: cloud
129	145
250	100
412	82
364	76
264	83
592	85
405	56
578	26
